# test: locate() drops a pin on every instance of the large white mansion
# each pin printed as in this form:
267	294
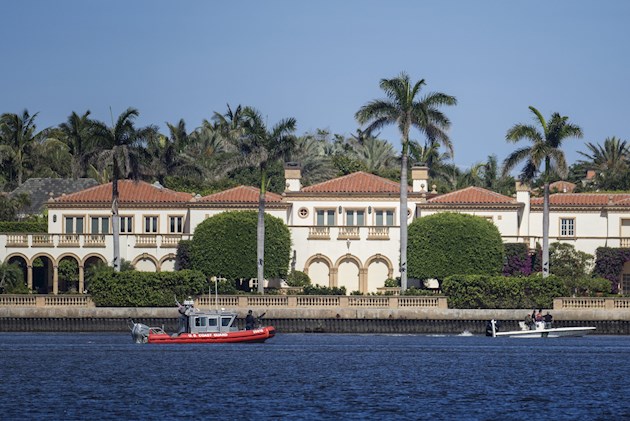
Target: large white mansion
345	231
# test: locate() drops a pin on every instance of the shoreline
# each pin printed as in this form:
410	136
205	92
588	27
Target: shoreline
320	320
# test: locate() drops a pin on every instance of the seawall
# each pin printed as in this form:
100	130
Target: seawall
325	320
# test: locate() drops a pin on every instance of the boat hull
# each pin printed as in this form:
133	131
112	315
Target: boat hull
253	335
548	333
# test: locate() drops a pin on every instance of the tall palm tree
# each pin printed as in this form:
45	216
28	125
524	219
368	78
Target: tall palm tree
545	149
610	162
17	138
405	109
122	153
260	147
78	133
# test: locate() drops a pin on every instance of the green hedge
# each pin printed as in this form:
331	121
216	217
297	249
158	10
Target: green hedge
145	289
447	244
23	226
479	291
225	245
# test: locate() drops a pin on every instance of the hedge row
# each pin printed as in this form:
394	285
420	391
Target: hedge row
481	291
23	226
146	289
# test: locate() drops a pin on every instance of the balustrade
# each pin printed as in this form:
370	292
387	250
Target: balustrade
319	233
378	233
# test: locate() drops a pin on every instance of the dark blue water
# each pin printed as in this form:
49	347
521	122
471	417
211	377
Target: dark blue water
315	376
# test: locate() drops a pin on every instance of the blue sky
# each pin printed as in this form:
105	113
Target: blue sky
320	61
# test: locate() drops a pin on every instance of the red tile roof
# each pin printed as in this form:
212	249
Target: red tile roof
358	182
472	196
129	192
585	199
240	194
562	187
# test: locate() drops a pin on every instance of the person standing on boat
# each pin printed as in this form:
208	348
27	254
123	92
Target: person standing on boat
529	321
548	318
250	321
184	310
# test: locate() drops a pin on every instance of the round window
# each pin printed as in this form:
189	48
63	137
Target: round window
303	212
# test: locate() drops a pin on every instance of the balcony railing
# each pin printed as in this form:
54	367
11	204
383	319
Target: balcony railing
378	233
319	233
348	233
624	242
90	240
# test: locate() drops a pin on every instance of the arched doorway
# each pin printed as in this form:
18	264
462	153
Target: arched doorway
68	274
43	274
379	268
318	269
348	276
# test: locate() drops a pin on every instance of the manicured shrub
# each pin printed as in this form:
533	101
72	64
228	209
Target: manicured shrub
298	279
320	290
23	226
480	291
145	289
225	245
448	244
183	256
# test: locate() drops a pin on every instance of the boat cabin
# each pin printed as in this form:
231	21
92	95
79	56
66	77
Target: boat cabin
212	322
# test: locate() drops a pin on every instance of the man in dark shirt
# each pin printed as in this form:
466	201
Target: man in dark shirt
250	321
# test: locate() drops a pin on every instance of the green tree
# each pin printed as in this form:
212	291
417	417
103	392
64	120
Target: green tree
78	132
11	279
225	245
260	147
167	155
447	244
122	148
17	139
611	163
404	109
545	149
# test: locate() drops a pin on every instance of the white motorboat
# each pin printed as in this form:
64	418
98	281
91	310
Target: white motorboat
540	331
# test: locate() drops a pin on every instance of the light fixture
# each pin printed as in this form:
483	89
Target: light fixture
339	209
369	209
54	218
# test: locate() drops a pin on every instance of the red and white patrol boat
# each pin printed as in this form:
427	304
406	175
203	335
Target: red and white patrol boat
202	327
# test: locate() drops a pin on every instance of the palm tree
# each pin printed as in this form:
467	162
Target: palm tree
610	162
122	146
260	147
78	133
404	109
545	149
310	153
167	155
18	137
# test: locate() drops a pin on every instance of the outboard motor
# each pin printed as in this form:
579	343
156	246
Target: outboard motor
140	333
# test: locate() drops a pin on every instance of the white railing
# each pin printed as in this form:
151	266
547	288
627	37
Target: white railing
348	233
378	233
319	233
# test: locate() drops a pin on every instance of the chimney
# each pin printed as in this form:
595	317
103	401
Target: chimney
292	177
420	179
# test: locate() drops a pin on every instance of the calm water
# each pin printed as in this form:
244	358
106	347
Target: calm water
315	376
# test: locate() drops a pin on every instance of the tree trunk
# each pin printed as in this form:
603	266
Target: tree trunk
545	246
115	225
260	237
403	220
